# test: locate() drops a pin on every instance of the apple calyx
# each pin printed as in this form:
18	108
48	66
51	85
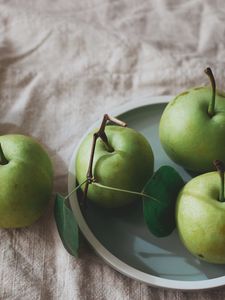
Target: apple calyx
211	108
3	160
221	169
99	134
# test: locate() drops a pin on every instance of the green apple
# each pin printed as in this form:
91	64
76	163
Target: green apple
126	163
200	217
26	178
192	128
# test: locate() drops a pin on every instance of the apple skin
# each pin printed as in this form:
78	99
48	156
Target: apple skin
200	218
26	181
189	135
128	167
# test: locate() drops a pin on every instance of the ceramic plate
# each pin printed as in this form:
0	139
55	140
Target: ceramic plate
123	240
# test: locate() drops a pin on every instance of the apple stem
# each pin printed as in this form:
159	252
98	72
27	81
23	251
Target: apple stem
3	160
211	108
101	131
99	134
220	168
123	190
75	189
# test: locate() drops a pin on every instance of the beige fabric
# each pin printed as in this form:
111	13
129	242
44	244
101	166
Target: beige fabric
62	65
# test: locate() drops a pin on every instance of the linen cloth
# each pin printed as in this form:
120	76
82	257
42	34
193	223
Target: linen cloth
62	65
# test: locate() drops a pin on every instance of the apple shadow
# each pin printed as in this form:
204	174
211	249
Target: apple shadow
120	212
192	173
10	128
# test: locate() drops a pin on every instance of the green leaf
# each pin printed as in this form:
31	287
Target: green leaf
159	212
66	224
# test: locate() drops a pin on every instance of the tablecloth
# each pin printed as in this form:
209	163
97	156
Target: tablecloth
62	65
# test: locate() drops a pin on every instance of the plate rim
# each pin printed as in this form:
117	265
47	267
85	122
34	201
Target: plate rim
105	254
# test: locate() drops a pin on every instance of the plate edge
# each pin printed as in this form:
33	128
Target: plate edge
101	250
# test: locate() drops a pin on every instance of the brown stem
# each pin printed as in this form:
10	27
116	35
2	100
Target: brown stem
3	160
220	168
211	108
89	172
99	134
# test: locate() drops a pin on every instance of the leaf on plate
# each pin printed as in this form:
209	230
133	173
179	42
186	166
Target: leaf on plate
66	224
159	212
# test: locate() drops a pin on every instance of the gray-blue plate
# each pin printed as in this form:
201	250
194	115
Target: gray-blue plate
123	240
